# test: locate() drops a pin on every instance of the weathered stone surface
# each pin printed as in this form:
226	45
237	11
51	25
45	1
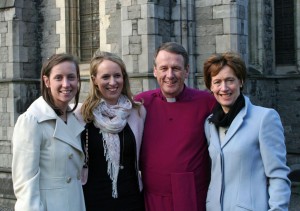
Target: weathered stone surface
31	31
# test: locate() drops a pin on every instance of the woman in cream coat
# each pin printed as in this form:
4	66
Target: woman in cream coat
112	138
246	144
47	151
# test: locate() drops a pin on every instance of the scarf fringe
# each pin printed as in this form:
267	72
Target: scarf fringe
112	170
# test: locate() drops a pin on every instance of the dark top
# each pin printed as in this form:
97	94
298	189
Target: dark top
98	189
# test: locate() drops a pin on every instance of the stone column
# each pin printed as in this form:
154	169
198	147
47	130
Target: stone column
139	41
235	27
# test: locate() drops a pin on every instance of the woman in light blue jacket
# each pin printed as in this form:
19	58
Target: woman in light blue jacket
47	152
246	144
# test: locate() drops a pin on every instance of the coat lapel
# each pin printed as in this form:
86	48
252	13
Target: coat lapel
69	133
236	123
215	140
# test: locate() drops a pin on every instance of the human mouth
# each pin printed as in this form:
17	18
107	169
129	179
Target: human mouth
112	89
170	82
65	91
226	95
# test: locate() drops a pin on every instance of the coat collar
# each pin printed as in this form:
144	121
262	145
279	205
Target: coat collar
235	125
67	133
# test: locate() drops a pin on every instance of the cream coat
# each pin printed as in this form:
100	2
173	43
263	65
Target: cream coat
47	161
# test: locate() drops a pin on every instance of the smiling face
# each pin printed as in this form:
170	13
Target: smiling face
226	87
63	83
170	73
109	80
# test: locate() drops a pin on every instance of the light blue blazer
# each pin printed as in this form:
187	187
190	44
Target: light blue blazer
249	170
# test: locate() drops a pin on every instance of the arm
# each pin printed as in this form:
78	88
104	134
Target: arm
273	152
26	143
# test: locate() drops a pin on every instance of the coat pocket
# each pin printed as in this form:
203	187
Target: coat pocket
240	207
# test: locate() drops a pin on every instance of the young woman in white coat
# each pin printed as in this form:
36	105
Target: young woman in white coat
246	144
47	152
112	138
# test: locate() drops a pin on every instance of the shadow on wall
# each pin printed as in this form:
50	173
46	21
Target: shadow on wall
294	176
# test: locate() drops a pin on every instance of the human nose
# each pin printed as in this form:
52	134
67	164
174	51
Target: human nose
223	86
170	73
112	80
66	82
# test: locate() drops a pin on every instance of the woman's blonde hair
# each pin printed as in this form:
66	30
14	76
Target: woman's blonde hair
94	96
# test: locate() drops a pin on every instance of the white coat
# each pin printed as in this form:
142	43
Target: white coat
47	161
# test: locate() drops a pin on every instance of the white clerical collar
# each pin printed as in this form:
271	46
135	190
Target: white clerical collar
171	100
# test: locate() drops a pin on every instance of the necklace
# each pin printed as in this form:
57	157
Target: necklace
122	153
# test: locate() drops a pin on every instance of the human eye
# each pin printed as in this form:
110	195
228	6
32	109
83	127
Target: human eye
72	77
58	77
217	82
177	69
118	75
105	77
230	80
163	69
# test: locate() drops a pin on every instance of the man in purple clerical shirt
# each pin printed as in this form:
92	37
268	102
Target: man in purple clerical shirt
174	160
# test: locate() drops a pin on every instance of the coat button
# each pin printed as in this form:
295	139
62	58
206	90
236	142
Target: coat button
69	179
71	156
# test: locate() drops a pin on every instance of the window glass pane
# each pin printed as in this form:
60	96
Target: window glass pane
284	32
89	29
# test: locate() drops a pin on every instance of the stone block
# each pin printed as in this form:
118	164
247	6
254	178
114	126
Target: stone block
231	26
210	30
10	129
225	11
135	49
3	27
126	3
30	15
148	11
3	90
226	43
6	160
2	105
129	62
135	39
176	13
18	54
143	2
125	45
206	49
124	13
147	26
60	4
149	44
134	12
203	14
10	105
202	40
205	3
160	12
10	13
2	16
4	119
126	28
4	54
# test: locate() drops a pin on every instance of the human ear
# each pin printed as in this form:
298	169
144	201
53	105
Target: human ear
46	81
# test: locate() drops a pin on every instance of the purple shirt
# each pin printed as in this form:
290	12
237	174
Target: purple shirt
174	156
